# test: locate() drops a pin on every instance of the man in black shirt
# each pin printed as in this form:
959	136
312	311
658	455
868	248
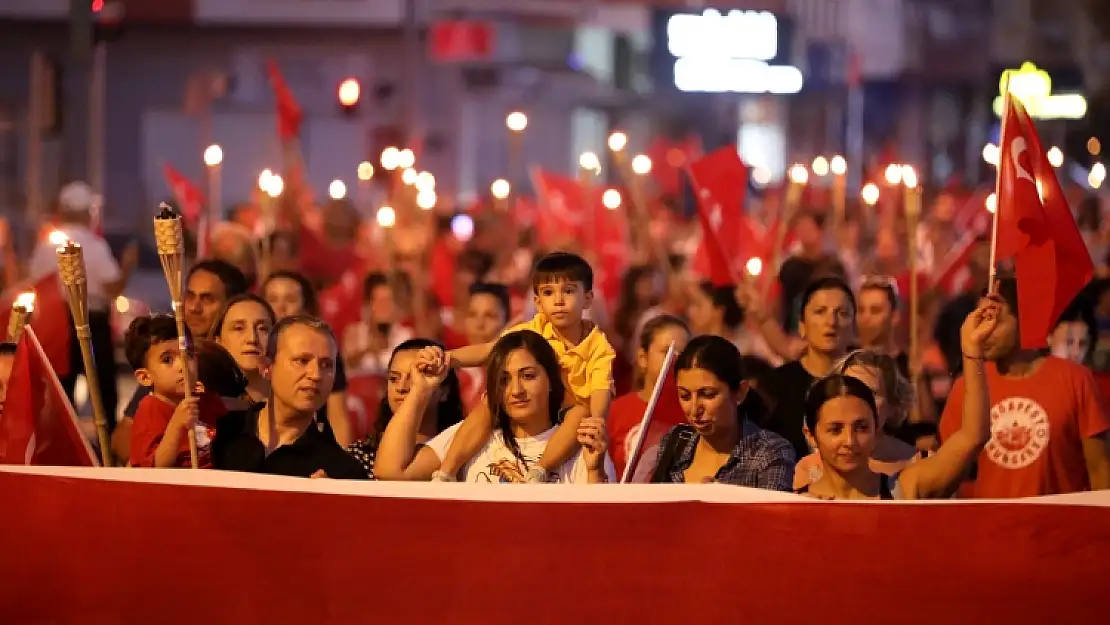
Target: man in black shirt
281	438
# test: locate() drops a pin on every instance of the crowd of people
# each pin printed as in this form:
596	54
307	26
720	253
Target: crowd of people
512	370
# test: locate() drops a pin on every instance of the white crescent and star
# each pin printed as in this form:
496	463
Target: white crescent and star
1017	148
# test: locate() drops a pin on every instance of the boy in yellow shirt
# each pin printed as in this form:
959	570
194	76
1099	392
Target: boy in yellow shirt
562	284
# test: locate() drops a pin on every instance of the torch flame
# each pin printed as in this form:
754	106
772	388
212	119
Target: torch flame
26	301
754	266
58	238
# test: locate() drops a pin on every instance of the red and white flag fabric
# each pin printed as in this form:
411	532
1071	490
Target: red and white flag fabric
289	114
1022	562
189	197
720	182
50	318
669	158
563	214
37	423
1036	228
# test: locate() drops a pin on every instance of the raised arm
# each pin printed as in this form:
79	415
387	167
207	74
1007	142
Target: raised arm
471	355
396	459
937	475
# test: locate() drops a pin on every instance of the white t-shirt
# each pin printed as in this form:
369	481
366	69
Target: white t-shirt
496	464
101	267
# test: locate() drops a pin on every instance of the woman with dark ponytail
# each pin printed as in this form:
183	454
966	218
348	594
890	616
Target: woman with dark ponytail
721	443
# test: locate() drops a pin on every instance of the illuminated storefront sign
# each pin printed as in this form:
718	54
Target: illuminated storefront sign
729	53
1033	88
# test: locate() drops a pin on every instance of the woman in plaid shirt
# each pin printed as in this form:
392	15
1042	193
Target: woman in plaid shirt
721	443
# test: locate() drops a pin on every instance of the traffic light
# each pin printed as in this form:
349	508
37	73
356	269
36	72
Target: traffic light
348	95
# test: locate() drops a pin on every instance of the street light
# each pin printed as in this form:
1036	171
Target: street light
611	199
516	121
821	166
641	164
337	190
500	188
589	160
617	141
870	194
213	155
365	171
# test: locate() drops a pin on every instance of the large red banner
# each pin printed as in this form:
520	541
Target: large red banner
167	547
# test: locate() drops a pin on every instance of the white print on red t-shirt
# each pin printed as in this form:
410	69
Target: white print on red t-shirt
1019	433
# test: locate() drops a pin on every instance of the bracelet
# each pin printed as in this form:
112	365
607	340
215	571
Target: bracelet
973	357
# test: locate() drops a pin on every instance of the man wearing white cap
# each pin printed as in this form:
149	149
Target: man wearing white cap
77	204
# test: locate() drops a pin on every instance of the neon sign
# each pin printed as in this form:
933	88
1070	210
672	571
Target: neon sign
718	53
1033	88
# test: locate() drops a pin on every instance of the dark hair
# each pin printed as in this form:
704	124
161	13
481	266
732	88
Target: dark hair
308	292
657	323
831	387
307	321
1008	291
217	325
724	297
477	263
495	395
235	283
826	283
755	367
218	371
7	348
500	292
716	355
448	412
624	322
1081	312
562	266
373	280
146	332
720	357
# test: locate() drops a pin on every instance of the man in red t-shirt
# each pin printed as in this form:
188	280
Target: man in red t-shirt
1049	431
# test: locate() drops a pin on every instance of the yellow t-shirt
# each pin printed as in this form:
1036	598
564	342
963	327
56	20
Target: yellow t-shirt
587	367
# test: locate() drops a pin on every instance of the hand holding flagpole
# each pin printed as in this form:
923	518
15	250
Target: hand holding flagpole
645	423
71	269
171	248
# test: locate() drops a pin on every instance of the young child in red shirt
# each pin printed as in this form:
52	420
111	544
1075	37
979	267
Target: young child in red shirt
164	418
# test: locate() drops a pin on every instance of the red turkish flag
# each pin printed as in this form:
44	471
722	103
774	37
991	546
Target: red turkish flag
563	213
50	318
1036	228
38	424
720	182
187	195
668	160
289	114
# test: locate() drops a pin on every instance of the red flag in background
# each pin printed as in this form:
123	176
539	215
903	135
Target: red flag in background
720	182
188	196
1036	229
562	215
289	114
50	318
611	243
668	160
38	424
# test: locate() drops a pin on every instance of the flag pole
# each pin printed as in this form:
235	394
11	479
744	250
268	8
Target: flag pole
171	248
992	288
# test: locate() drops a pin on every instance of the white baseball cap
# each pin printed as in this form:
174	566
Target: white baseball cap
78	197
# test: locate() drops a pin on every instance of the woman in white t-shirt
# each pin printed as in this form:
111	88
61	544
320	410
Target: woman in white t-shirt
525	393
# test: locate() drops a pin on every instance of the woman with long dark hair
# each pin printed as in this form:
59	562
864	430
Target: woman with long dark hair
242	328
525	395
443	409
721	443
